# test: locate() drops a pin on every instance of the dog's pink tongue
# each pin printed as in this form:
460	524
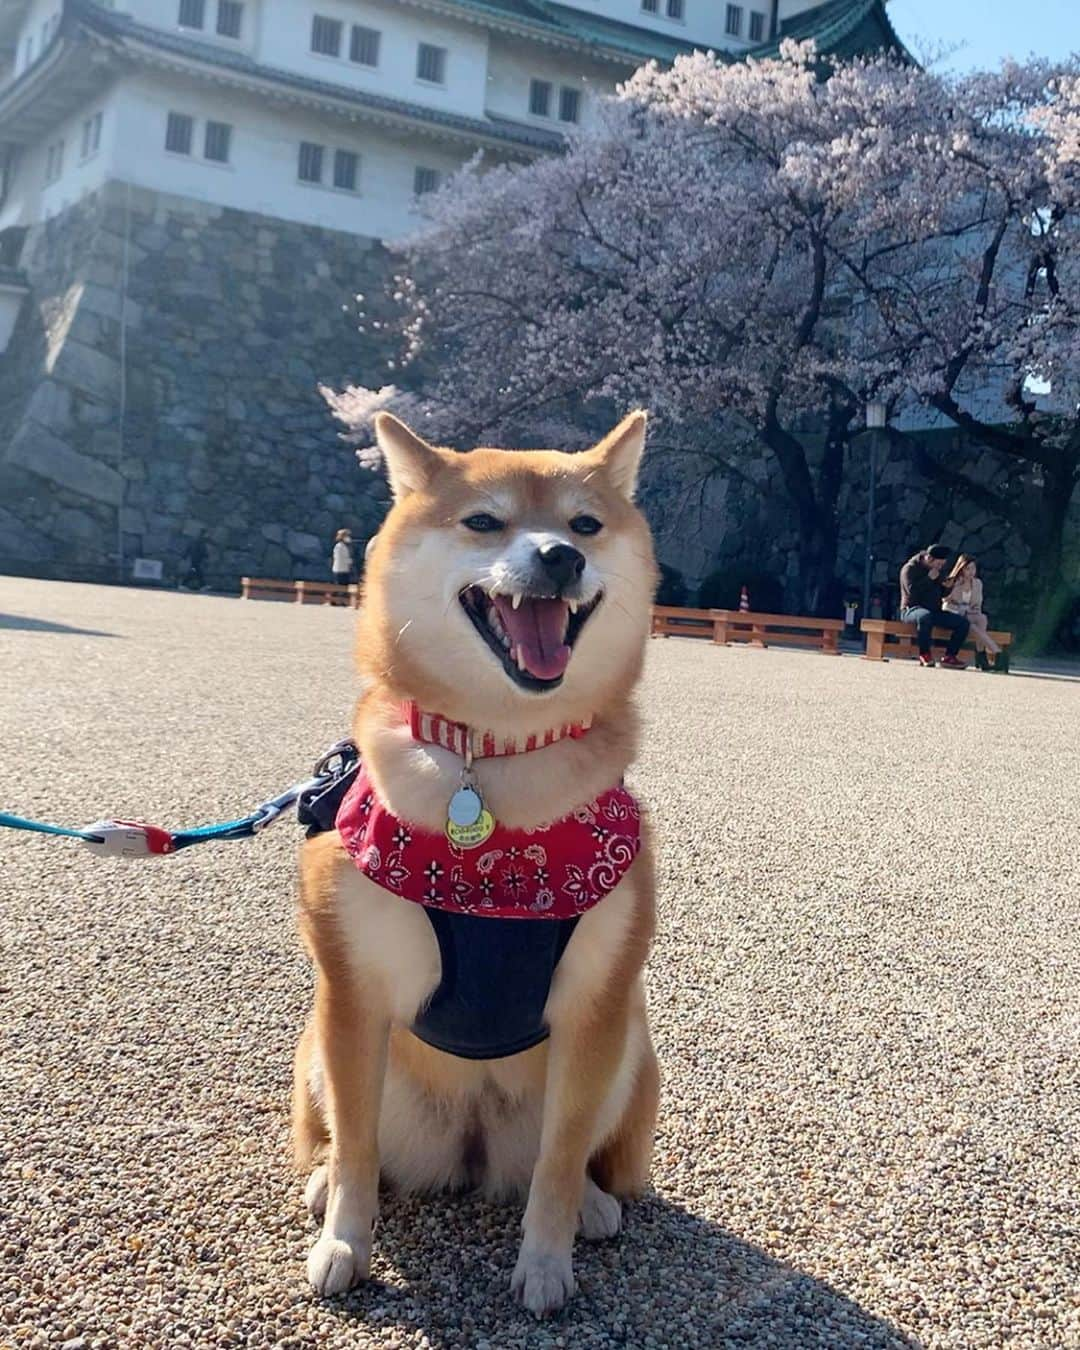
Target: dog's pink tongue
536	631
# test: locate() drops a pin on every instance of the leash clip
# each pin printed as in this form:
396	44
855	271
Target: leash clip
129	839
336	761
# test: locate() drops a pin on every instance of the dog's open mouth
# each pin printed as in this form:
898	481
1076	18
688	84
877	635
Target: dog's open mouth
533	636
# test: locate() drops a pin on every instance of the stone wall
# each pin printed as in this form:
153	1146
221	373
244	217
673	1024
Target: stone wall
749	524
202	410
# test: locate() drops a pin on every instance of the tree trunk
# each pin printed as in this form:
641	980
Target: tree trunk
817	588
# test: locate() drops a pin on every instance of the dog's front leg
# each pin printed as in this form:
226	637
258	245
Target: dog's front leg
352	1029
583	1056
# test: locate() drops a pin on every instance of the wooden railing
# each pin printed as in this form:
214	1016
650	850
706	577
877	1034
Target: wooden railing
725	626
300	592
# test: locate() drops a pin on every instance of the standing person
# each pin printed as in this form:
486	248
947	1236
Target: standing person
193	570
922	593
341	561
966	599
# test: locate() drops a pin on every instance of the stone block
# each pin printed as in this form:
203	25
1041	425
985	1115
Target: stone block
302	545
46	455
201	477
50	406
87	369
276	561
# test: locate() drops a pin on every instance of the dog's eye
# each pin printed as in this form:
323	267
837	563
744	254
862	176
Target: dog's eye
483	523
586	525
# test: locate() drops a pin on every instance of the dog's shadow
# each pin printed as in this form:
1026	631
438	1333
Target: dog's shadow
670	1279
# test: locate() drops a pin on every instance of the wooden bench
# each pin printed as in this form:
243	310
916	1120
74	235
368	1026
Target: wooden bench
325	593
299	592
725	626
790	630
886	638
266	588
674	621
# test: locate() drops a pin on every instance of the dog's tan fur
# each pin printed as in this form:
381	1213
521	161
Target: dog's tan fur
571	1121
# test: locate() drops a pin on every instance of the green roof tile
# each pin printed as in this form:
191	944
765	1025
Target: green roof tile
840	28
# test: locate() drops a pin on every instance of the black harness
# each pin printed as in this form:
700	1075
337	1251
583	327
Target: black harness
495	973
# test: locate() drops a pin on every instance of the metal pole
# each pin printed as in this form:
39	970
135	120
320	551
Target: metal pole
870	495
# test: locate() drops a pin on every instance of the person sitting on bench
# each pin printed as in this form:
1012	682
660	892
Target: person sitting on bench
966	598
922	592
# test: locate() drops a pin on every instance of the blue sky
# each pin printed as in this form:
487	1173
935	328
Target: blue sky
991	29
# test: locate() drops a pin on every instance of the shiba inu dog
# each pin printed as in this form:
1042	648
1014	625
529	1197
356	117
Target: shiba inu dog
480	916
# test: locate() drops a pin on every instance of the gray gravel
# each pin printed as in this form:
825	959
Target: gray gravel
865	996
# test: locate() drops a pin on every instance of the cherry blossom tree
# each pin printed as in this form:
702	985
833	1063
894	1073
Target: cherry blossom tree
756	253
981	292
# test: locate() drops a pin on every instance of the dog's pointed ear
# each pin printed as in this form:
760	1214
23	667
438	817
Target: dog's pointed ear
619	453
410	462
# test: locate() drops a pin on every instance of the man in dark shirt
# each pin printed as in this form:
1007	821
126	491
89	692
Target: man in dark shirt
922	590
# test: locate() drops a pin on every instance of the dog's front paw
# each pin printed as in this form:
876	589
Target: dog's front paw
334	1265
601	1214
542	1281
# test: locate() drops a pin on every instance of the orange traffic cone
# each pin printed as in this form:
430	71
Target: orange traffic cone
744	601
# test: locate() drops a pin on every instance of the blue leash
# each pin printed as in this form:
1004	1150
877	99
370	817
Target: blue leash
138	839
39	827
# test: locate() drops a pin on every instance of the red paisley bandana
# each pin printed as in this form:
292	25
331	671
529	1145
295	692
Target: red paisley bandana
555	873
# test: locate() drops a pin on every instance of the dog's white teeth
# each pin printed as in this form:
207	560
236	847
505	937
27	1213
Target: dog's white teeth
572	605
519	656
505	639
515	599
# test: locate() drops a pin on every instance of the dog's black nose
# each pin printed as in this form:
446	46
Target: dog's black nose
562	562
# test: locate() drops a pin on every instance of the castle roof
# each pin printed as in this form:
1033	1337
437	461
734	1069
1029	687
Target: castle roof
91	41
840	28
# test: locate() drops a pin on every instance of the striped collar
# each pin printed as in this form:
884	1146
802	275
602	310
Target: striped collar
470	743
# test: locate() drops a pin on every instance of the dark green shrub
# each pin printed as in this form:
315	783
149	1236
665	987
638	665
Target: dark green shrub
672	587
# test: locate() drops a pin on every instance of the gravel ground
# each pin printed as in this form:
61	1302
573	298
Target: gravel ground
864	992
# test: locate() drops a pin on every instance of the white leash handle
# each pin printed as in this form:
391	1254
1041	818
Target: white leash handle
128	839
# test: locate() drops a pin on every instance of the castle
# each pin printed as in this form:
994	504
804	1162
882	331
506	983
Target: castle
193	194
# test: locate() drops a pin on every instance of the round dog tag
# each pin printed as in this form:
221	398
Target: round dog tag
471	836
465	807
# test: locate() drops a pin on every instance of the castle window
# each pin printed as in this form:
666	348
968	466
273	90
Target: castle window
178	133
311	162
91	135
192	14
364	46
216	142
346	166
540	98
733	27
230	18
326	35
431	64
650	6
569	104
54	162
425	180
676	9
757	26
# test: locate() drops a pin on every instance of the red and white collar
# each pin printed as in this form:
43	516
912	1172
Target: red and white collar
434	729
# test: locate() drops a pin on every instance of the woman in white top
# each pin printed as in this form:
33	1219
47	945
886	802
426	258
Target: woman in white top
341	562
966	597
